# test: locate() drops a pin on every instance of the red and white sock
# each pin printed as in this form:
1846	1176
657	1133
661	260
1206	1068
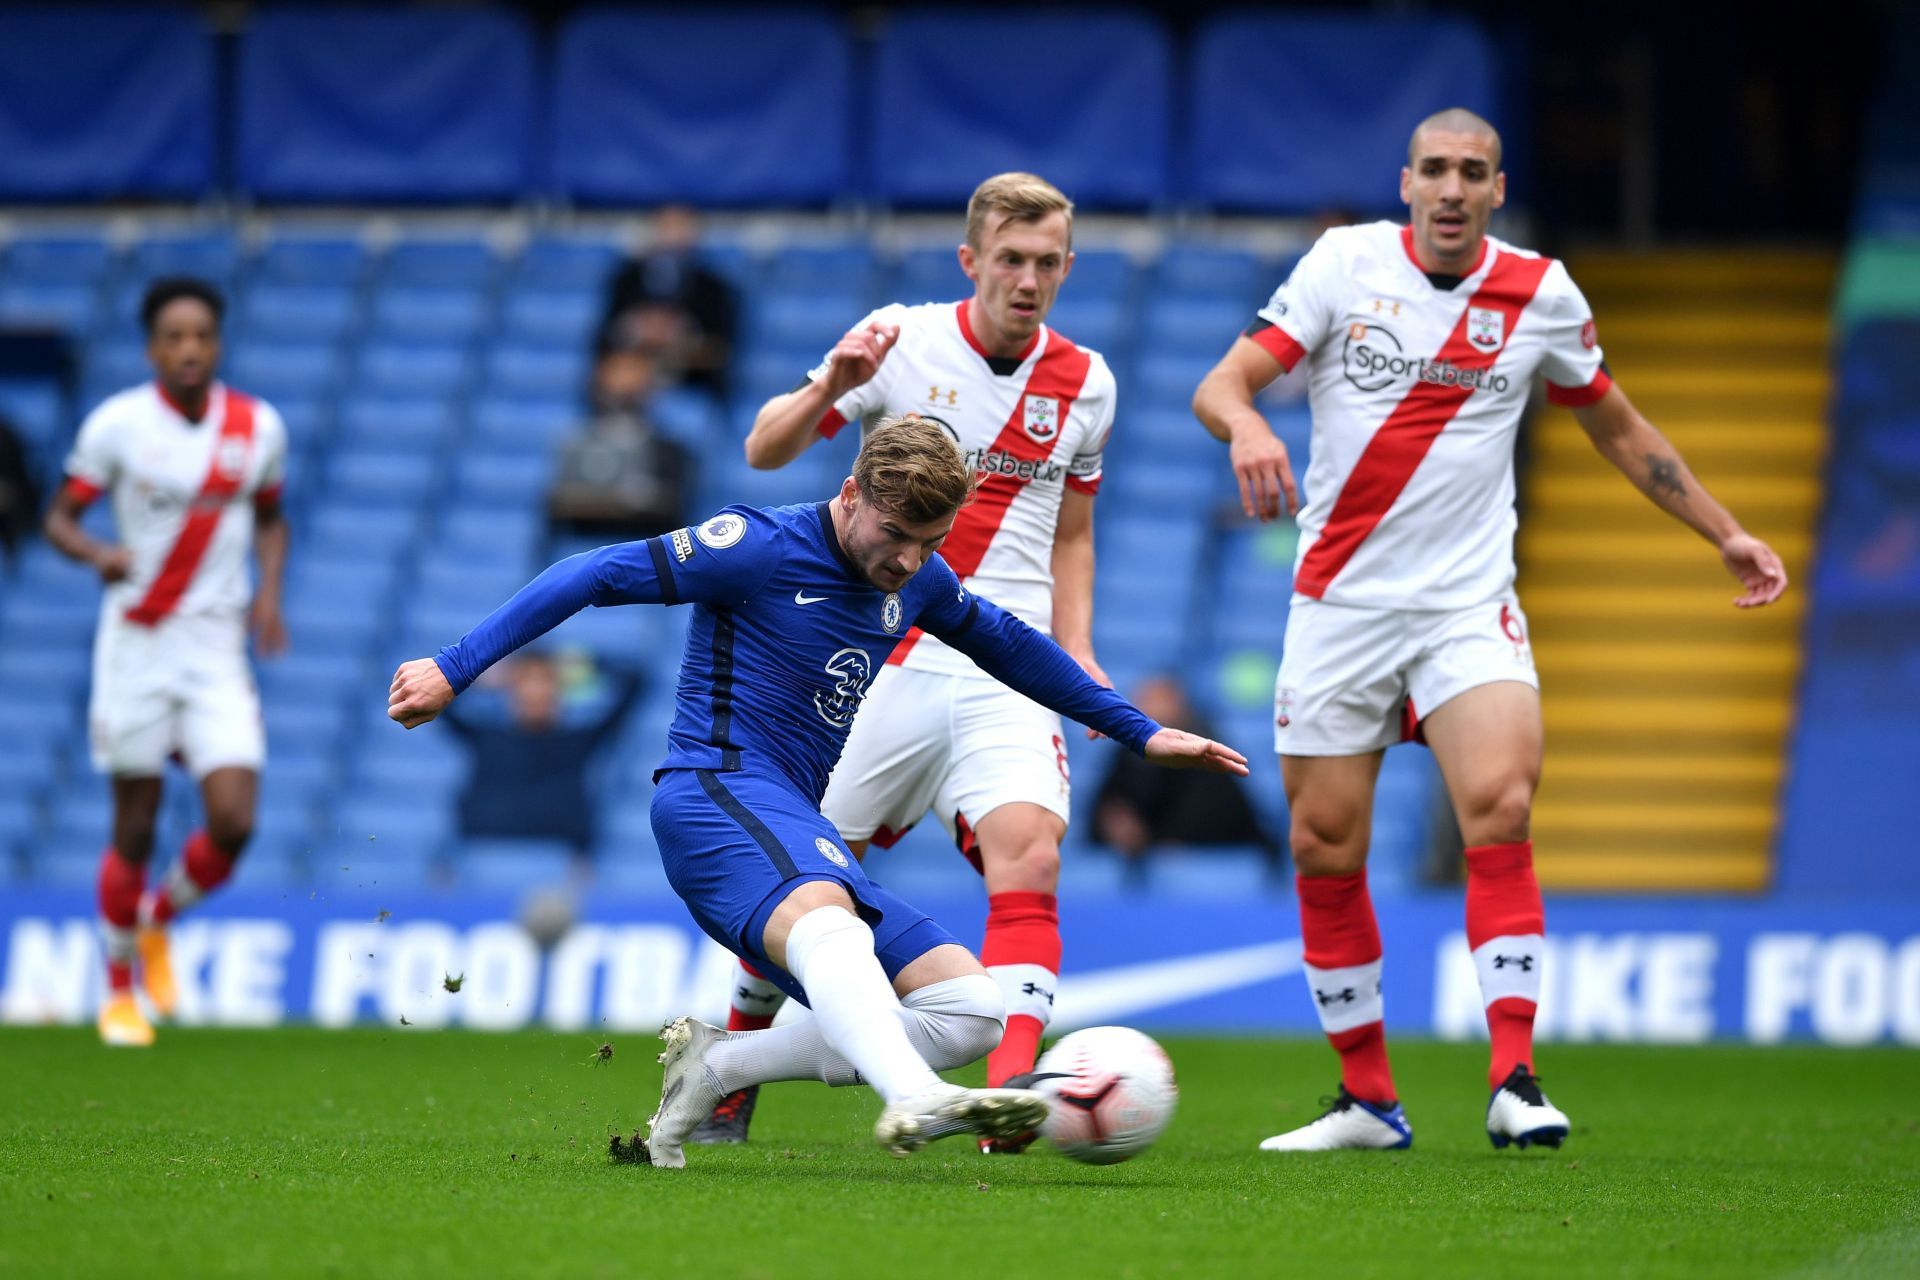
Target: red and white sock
201	867
1342	960
121	883
755	1000
1022	954
1505	928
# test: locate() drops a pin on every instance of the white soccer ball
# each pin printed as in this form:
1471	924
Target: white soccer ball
1110	1093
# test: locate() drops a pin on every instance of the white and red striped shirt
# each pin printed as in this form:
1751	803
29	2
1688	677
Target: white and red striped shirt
183	494
1417	391
1032	425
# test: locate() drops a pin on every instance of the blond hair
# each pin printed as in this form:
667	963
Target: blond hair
910	467
1023	197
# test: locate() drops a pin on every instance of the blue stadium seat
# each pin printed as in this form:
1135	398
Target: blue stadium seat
19	818
285	370
415	369
461	265
314	723
26	769
65	862
60	670
639	116
322	676
1167	381
1094	323
510	478
37	409
629	867
393	475
1214	875
336	262
551	316
1189	270
68	260
452	316
843	268
811	322
930	274
487	531
376	421
521	423
49	623
211	256
547	372
118	362
278	313
691	416
1194	326
1198	485
394	824
384	104
568	264
346	863
66	307
510	866
1101	81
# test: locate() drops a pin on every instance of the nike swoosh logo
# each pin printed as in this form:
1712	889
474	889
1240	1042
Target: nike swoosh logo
1110	995
801	597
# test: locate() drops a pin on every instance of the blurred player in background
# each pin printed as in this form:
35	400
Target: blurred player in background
1031	412
194	469
1422	345
795	609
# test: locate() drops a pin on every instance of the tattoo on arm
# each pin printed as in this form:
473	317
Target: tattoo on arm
1663	476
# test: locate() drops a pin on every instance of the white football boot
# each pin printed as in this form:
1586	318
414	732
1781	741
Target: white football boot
946	1109
1349	1124
1520	1114
687	1093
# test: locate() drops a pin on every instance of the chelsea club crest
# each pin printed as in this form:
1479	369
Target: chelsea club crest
890	612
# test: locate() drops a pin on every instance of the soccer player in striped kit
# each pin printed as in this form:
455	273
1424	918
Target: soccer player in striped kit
1031	411
194	469
1422	344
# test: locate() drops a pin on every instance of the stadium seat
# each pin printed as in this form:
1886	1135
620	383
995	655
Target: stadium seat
65	862
383	422
929	275
285	370
337	262
1194	326
551	316
66	307
284	313
212	256
510	866
453	316
346	863
37	410
415	369
530	422
515	479
806	321
456	265
1201	271
68	260
547	372
1215	875
567	264
1095	323
379	476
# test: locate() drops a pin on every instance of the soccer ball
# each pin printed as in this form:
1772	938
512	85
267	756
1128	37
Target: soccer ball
1110	1092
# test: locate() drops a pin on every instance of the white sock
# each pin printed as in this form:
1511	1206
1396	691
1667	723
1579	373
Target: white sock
830	953
948	1024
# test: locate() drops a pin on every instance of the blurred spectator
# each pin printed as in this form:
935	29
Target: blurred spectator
1141	808
666	298
19	497
619	477
529	776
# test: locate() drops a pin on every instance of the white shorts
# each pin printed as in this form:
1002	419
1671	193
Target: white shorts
184	686
1355	680
959	745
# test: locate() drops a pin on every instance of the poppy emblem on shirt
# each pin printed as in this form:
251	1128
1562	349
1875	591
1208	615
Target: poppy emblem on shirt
1588	335
722	531
890	612
1486	328
830	851
1041	417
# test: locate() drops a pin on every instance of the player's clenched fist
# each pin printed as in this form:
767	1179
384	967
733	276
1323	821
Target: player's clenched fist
857	357
419	693
1178	749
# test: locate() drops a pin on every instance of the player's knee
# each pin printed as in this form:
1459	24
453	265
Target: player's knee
230	831
1030	864
962	1019
1499	815
1326	846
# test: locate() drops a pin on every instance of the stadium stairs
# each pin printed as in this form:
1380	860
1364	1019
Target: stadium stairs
1667	711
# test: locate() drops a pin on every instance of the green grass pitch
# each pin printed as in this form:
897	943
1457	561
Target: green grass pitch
400	1153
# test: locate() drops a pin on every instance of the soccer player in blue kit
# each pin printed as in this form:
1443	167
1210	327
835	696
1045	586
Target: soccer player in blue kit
796	608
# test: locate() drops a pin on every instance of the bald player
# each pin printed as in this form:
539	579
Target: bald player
1422	344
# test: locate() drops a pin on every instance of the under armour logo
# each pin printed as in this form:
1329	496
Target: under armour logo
742	993
934	394
1525	963
1345	995
1035	989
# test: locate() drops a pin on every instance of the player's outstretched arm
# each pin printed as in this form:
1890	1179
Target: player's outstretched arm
1224	404
1178	749
788	423
1648	458
1028	662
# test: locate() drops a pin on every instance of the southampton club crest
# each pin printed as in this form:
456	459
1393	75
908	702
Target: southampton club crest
1486	328
1041	417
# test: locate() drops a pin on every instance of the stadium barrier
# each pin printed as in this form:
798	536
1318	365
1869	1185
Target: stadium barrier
1667	971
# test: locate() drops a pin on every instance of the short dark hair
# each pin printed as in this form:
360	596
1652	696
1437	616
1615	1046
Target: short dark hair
170	289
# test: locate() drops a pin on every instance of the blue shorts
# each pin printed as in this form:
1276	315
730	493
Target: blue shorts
736	844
